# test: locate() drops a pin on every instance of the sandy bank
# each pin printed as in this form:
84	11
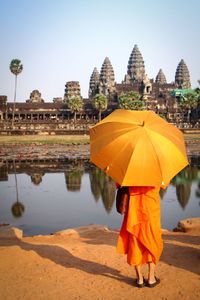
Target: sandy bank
82	263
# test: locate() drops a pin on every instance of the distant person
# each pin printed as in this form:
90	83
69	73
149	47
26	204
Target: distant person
140	235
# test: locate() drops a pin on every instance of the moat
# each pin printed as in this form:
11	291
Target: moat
42	197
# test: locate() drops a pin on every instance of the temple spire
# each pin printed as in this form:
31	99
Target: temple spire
94	83
136	68
182	76
160	78
107	78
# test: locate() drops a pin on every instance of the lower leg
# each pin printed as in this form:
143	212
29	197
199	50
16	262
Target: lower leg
139	273
151	275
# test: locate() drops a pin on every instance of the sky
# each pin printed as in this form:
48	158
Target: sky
63	40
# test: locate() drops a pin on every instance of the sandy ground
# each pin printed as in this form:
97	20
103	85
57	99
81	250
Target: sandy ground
82	263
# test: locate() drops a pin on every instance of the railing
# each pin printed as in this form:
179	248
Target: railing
44	131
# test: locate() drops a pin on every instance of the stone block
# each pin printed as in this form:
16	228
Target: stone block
10	232
191	225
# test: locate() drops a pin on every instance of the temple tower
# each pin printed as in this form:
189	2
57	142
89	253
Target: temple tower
35	97
107	78
160	78
94	83
182	76
136	68
72	88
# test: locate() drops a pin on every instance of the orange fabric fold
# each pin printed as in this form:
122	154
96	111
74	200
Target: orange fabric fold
140	235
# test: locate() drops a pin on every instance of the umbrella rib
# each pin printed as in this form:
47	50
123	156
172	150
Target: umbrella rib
154	151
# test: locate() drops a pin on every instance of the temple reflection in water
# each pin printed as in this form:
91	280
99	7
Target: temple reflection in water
101	186
82	179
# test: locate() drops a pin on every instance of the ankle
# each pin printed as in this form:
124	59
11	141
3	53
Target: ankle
151	279
140	280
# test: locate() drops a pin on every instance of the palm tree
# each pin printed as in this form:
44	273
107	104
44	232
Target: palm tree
16	68
197	91
75	103
100	102
131	100
188	102
18	207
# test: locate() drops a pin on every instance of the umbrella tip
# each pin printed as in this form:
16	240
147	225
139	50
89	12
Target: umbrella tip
106	169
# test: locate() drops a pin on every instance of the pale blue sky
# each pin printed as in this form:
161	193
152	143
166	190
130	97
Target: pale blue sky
60	40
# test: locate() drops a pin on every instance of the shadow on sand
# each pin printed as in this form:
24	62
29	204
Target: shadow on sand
64	258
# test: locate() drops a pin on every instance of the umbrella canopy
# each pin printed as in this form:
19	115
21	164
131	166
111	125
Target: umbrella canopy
137	148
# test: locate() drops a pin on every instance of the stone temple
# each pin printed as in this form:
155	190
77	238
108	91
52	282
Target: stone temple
158	95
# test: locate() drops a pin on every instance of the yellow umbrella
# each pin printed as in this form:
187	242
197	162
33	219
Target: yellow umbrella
137	148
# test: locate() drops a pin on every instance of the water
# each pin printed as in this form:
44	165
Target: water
46	196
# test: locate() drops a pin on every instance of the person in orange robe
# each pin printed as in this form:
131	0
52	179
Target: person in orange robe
140	235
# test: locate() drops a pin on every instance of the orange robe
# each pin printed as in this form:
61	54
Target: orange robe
140	235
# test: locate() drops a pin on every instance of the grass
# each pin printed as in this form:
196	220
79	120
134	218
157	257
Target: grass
43	140
64	139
